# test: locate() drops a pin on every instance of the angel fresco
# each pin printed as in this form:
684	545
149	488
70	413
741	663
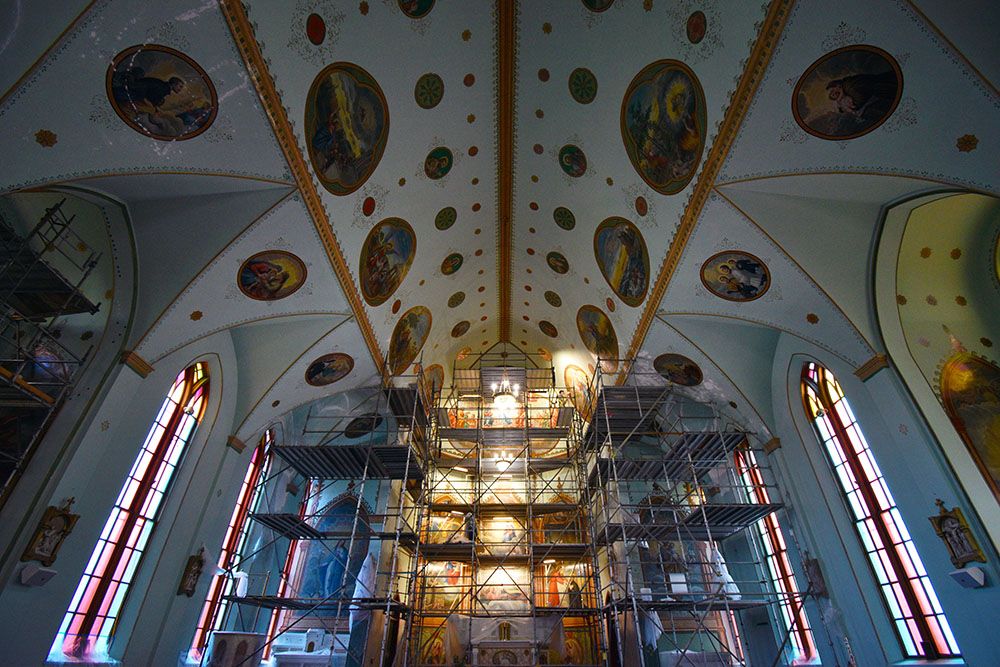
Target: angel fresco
271	275
386	257
598	335
623	259
329	369
408	338
347	123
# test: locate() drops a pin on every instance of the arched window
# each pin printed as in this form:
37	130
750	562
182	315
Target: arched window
919	621
213	612
90	622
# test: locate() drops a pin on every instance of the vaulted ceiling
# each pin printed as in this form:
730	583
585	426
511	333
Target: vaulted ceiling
499	171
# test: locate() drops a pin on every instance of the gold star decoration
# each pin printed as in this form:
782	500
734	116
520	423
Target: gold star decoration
363	8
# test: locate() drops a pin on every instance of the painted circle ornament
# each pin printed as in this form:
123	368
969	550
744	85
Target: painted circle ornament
735	275
438	163
363	425
847	93
623	259
572	160
451	263
548	328
553	298
271	275
415	9
663	124
315	29
328	369
460	329
346	124
597	6
598	336
582	85
456	299
557	262
697	26
386	257
445	218
564	218
428	91
161	93
408	338
678	369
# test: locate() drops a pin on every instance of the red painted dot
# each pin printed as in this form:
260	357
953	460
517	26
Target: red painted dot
482	271
476	206
539	149
473	151
395	306
531	229
482	305
529	270
539	113
527	288
315	29
421	283
469	79
641	207
368	207
586	281
402	182
524	343
543	74
475	181
531	251
483	318
479	252
482	288
525	318
610	304
477	231
533	206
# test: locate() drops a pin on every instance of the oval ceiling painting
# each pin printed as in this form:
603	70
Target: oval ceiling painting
663	123
598	336
564	218
573	160
434	377
451	263
460	329
678	369
428	91
847	93
553	298
386	257
445	218
271	275
161	93
578	383
557	262
363	425
408	338
597	5
622	257
736	276
548	328
438	163
347	123
416	9
328	369
456	299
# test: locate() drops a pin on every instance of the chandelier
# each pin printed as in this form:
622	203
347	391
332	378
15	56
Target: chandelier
505	398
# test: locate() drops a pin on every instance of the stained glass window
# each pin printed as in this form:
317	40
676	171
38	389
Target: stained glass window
919	621
90	622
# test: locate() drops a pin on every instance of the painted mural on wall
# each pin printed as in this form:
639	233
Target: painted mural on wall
678	369
271	275
416	9
331	568
363	425
408	338
847	93
736	276
386	257
598	336
329	369
578	383
161	93
434	377
969	388
346	125
663	124
623	259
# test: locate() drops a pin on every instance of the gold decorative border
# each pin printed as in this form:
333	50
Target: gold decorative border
871	367
505	103
142	367
243	35
753	74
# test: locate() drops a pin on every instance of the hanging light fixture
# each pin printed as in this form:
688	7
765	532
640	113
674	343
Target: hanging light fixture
505	398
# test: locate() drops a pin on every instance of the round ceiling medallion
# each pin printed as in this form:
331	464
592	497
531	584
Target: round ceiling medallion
735	276
368	206
445	218
415	9
346	125
428	91
597	5
598	336
451	263
582	85
696	26
315	29
557	262
663	124
460	329
847	93
386	257
678	369
363	425
329	368
456	299
161	93
548	328
554	299
572	160
271	275
408	338
564	218
438	163
623	259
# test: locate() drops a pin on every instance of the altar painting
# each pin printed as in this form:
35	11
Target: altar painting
446	585
560	585
503	588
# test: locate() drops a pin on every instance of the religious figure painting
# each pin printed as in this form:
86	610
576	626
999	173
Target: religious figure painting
623	259
438	163
597	5
578	382
678	369
434	377
847	93
460	329
736	276
573	160
663	124
161	93
386	257
557	262
561	585
271	275
331	567
416	9
408	338
363	425
328	369
346	125
451	263
970	392
446	585
598	336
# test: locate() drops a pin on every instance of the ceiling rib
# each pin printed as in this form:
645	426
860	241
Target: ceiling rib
760	56
243	35
505	104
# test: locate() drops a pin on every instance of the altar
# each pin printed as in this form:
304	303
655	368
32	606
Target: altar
503	652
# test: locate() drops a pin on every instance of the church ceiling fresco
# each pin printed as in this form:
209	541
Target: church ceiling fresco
499	170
